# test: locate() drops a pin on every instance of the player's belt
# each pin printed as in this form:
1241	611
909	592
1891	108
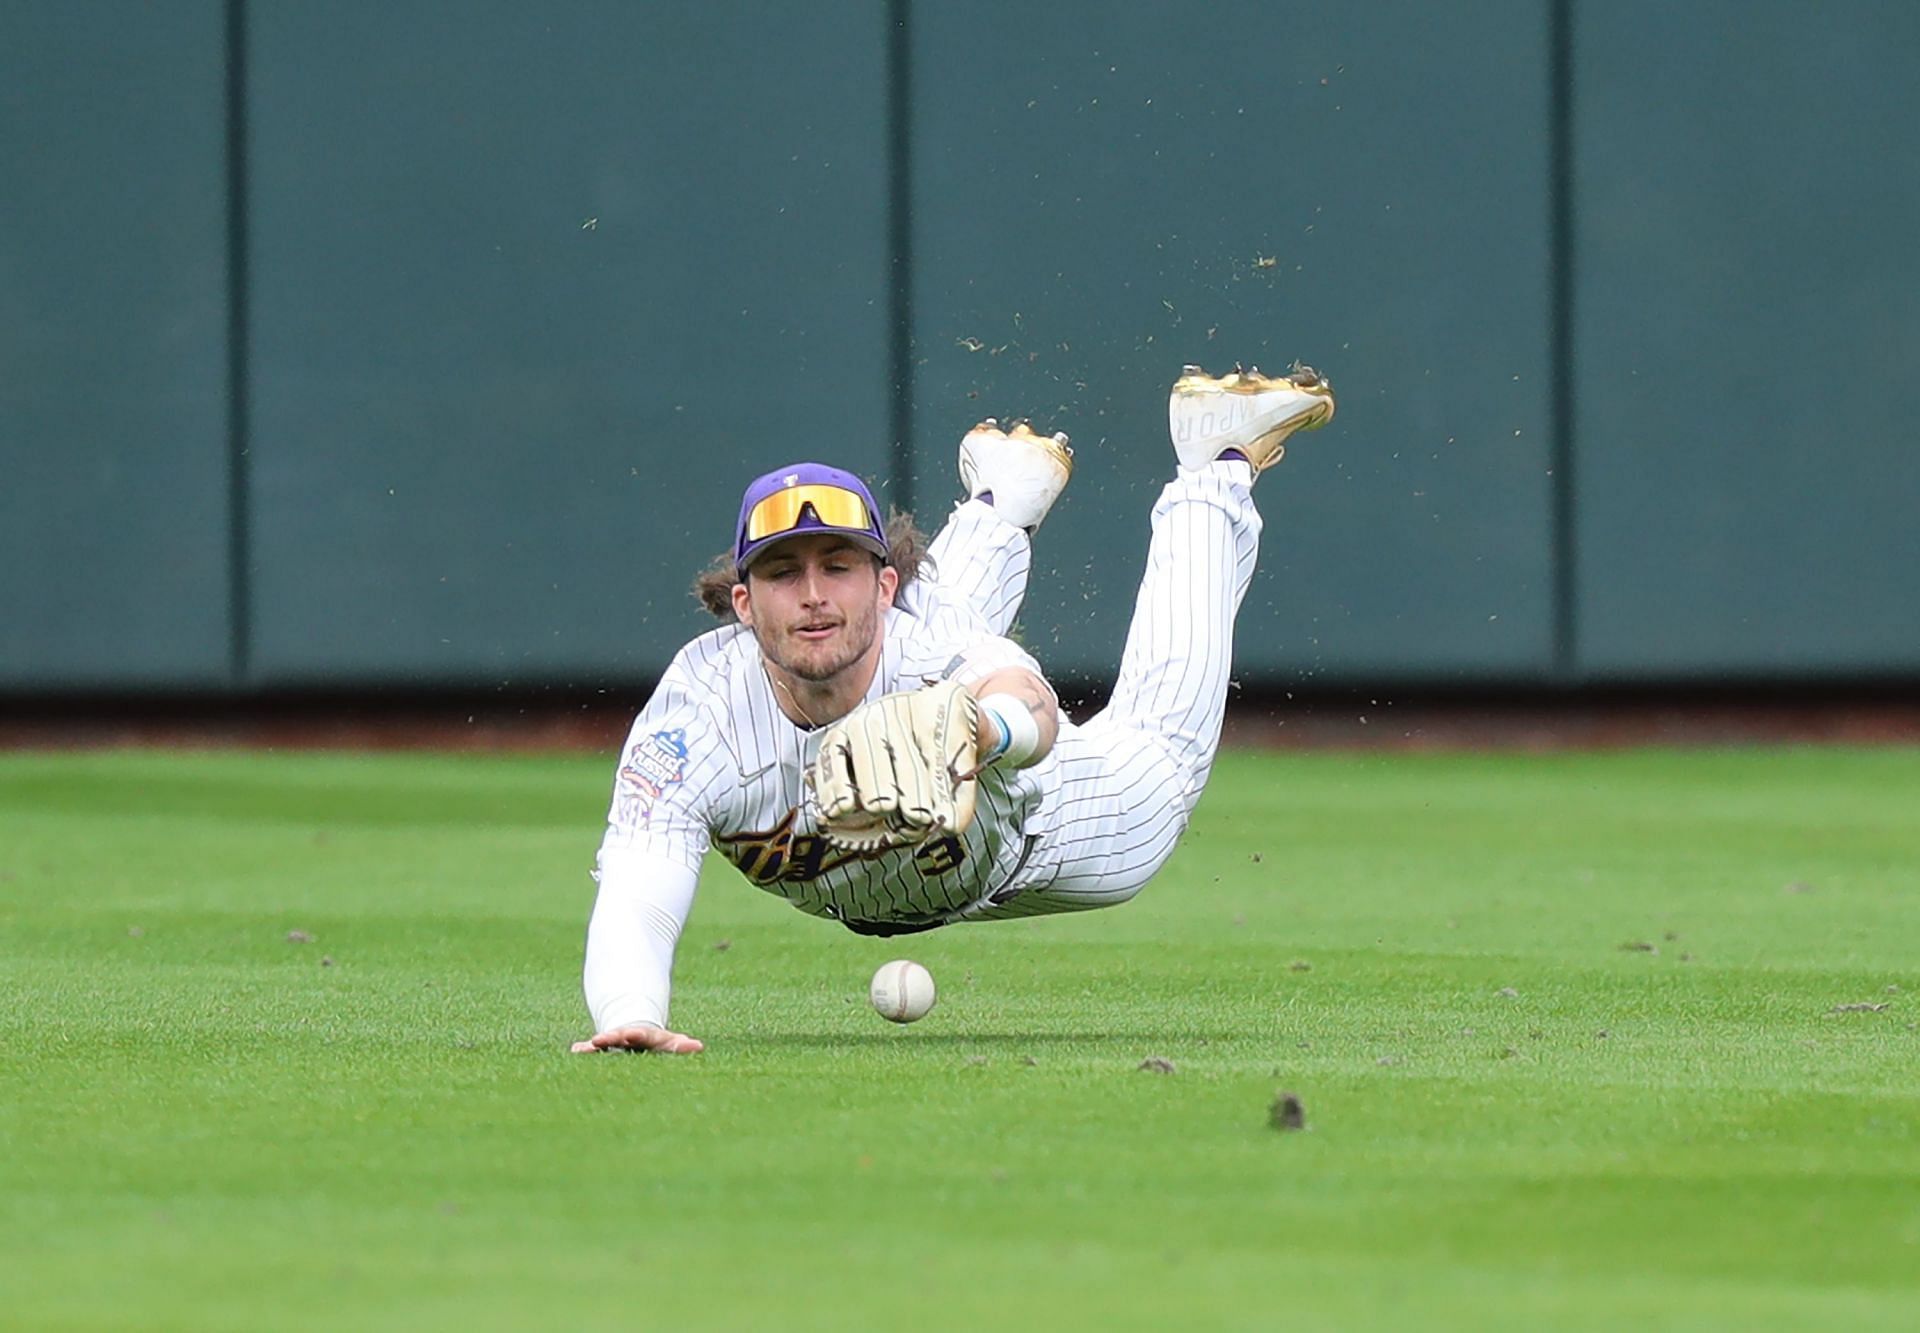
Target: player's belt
894	927
914	925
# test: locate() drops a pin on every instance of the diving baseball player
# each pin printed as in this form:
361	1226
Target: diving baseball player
864	740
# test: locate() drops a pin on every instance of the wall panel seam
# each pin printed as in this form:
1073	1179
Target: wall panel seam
900	248
1561	258
239	497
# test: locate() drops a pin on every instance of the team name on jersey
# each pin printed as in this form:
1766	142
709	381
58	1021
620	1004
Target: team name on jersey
780	855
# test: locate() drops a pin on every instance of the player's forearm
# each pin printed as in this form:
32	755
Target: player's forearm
637	918
1033	695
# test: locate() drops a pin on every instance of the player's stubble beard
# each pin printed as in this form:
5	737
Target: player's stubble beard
818	664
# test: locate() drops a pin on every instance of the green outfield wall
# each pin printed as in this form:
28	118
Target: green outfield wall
362	345
114	377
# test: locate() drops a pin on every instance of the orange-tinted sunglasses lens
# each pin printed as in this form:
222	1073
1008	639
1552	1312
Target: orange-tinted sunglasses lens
832	505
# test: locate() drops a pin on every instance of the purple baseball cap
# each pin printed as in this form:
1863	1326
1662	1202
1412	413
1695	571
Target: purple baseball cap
804	498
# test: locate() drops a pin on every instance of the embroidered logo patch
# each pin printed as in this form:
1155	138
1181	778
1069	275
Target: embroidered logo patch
651	766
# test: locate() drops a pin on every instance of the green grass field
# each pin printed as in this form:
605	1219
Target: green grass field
1564	1027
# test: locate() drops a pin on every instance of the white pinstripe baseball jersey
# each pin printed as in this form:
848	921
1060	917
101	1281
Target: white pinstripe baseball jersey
712	761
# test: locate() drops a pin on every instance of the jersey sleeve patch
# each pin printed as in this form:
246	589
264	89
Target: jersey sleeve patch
652	764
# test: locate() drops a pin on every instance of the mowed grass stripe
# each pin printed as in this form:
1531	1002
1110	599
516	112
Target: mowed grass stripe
1513	1118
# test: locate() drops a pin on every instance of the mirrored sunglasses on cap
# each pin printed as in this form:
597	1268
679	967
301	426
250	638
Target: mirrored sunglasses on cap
833	507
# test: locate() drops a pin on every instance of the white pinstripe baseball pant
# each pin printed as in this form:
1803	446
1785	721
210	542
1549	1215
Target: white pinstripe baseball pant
1130	775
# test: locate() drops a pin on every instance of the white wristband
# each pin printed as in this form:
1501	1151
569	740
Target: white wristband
1019	731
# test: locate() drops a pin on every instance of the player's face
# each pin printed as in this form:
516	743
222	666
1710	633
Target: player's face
814	604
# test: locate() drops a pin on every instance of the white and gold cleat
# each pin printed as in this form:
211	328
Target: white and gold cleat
1020	471
1244	411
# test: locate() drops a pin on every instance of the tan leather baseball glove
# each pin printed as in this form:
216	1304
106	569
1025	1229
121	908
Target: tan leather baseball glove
898	770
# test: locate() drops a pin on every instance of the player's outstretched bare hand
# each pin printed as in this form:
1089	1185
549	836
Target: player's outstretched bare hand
645	1037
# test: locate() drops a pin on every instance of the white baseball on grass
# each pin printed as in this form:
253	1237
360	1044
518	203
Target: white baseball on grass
902	991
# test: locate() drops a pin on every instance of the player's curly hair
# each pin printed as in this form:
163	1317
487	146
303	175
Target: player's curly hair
714	584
